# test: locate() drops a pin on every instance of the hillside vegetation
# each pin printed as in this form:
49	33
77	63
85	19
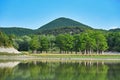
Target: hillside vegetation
63	35
5	41
17	31
63	25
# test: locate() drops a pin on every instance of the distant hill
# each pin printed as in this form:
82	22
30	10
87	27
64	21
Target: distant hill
17	31
58	26
63	25
115	30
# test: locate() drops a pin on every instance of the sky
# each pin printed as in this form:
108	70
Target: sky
99	14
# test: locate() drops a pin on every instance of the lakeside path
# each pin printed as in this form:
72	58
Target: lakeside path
61	57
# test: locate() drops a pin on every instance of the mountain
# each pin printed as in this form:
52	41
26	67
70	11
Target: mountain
17	31
115	30
58	26
63	25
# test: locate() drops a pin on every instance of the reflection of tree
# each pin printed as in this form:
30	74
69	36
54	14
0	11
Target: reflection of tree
114	72
81	72
5	72
61	71
35	71
6	69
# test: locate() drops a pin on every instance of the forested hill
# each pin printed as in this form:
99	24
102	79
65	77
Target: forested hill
58	26
17	31
115	30
63	25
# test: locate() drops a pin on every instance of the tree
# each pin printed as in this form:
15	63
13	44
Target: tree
65	42
101	42
60	42
87	43
68	42
44	43
77	43
51	39
34	44
24	45
113	40
5	40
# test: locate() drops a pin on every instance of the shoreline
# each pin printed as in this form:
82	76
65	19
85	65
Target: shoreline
62	57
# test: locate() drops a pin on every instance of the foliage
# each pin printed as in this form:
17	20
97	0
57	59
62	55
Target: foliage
63	25
34	43
22	43
17	31
64	42
114	41
64	34
101	42
5	40
44	43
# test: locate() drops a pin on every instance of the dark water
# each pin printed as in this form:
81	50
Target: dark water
37	70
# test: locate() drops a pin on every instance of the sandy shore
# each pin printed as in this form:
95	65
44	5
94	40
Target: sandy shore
9	50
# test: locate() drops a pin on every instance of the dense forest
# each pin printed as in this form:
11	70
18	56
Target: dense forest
84	43
5	40
77	38
17	31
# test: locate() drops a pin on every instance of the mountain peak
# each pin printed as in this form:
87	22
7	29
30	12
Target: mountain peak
62	22
63	25
61	18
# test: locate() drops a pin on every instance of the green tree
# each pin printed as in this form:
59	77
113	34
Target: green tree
44	43
113	40
60	42
77	43
65	42
34	44
21	43
51	39
68	42
87	43
5	40
24	45
101	42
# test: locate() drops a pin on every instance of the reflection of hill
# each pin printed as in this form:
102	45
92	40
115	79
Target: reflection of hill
60	71
86	70
8	64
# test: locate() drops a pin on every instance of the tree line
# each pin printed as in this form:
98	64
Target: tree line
84	42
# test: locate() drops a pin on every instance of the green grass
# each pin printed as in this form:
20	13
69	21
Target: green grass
114	56
27	56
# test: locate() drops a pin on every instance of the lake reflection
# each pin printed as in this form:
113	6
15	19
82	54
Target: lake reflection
38	70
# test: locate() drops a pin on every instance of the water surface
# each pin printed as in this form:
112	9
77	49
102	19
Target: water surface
38	70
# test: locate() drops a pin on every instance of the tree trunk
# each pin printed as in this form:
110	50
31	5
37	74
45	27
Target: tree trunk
85	52
75	52
71	51
34	51
60	51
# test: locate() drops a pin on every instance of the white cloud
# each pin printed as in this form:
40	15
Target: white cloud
114	27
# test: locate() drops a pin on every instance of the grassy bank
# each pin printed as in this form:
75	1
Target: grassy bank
106	56
48	56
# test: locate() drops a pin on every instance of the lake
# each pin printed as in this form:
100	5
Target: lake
59	70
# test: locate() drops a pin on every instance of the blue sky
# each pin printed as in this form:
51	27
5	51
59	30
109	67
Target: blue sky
100	14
